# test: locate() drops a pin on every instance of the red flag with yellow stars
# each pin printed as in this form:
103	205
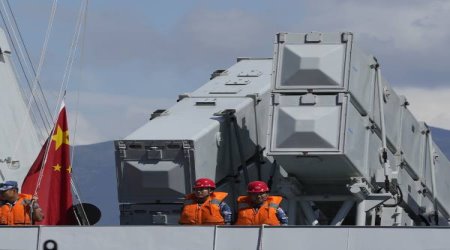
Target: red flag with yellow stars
51	175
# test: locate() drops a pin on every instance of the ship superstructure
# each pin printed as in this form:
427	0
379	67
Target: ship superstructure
318	122
19	141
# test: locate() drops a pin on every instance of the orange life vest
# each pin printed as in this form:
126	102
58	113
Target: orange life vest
18	214
266	214
207	213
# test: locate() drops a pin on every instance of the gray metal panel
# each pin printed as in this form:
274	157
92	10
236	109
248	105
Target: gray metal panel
153	170
398	238
247	77
442	172
412	143
187	119
298	127
272	238
356	140
200	237
305	238
361	80
305	128
373	156
235	238
410	189
307	66
358	156
392	112
164	178
18	237
313	60
155	237
143	214
319	168
425	173
145	175
301	38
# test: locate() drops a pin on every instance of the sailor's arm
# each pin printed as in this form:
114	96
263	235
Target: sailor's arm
38	215
282	217
226	213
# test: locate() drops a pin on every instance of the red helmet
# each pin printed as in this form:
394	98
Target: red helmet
204	183
257	187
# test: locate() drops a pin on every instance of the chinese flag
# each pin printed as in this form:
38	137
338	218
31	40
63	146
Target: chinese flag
54	171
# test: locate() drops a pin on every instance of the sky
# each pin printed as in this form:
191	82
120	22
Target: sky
138	56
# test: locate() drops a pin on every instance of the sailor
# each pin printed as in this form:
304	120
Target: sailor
17	208
258	207
204	206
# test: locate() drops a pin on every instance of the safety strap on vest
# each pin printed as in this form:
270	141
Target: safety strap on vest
274	205
215	201
217	197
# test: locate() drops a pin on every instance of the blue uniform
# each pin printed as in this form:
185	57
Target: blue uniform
282	217
226	213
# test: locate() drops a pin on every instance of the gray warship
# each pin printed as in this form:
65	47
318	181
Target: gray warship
318	122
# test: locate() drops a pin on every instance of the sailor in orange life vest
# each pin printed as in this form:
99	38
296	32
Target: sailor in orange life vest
259	208
204	206
17	208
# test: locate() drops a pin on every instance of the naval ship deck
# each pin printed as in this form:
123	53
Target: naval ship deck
225	237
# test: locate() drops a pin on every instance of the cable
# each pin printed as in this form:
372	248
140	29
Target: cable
399	198
33	118
66	76
35	82
43	51
23	52
72	52
73	182
77	196
81	80
5	17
